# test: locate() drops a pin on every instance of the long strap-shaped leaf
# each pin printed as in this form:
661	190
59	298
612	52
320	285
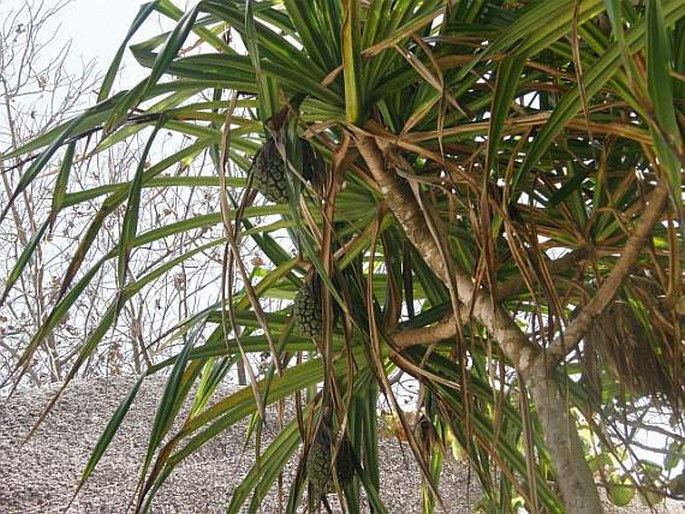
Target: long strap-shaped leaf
130	224
143	13
602	70
165	57
351	55
262	475
665	130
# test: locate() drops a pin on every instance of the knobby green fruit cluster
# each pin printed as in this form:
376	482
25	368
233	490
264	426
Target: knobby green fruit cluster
320	460
344	463
269	174
307	312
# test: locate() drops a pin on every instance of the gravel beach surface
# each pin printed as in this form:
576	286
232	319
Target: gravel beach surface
41	475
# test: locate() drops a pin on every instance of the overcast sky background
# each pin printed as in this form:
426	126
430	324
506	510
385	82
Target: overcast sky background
95	27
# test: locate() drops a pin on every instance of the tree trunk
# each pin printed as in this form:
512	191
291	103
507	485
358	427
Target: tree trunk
573	473
574	477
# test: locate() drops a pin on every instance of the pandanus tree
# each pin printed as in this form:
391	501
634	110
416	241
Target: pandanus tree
483	195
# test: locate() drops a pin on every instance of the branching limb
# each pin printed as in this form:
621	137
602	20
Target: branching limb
559	428
517	284
605	294
446	328
402	203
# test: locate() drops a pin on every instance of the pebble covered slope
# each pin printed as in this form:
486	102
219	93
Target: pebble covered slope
41	475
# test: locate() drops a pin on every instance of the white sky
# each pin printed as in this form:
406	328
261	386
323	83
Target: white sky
95	27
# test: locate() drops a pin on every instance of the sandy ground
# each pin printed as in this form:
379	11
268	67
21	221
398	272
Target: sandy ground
41	475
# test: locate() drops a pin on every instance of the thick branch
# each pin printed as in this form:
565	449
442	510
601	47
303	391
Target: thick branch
605	294
447	327
402	203
576	483
575	480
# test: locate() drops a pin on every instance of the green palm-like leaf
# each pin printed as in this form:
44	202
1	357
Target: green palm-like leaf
513	150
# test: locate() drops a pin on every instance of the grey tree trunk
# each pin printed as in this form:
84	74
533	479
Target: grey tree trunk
574	477
561	435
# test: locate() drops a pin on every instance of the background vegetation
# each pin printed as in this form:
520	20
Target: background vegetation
485	196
